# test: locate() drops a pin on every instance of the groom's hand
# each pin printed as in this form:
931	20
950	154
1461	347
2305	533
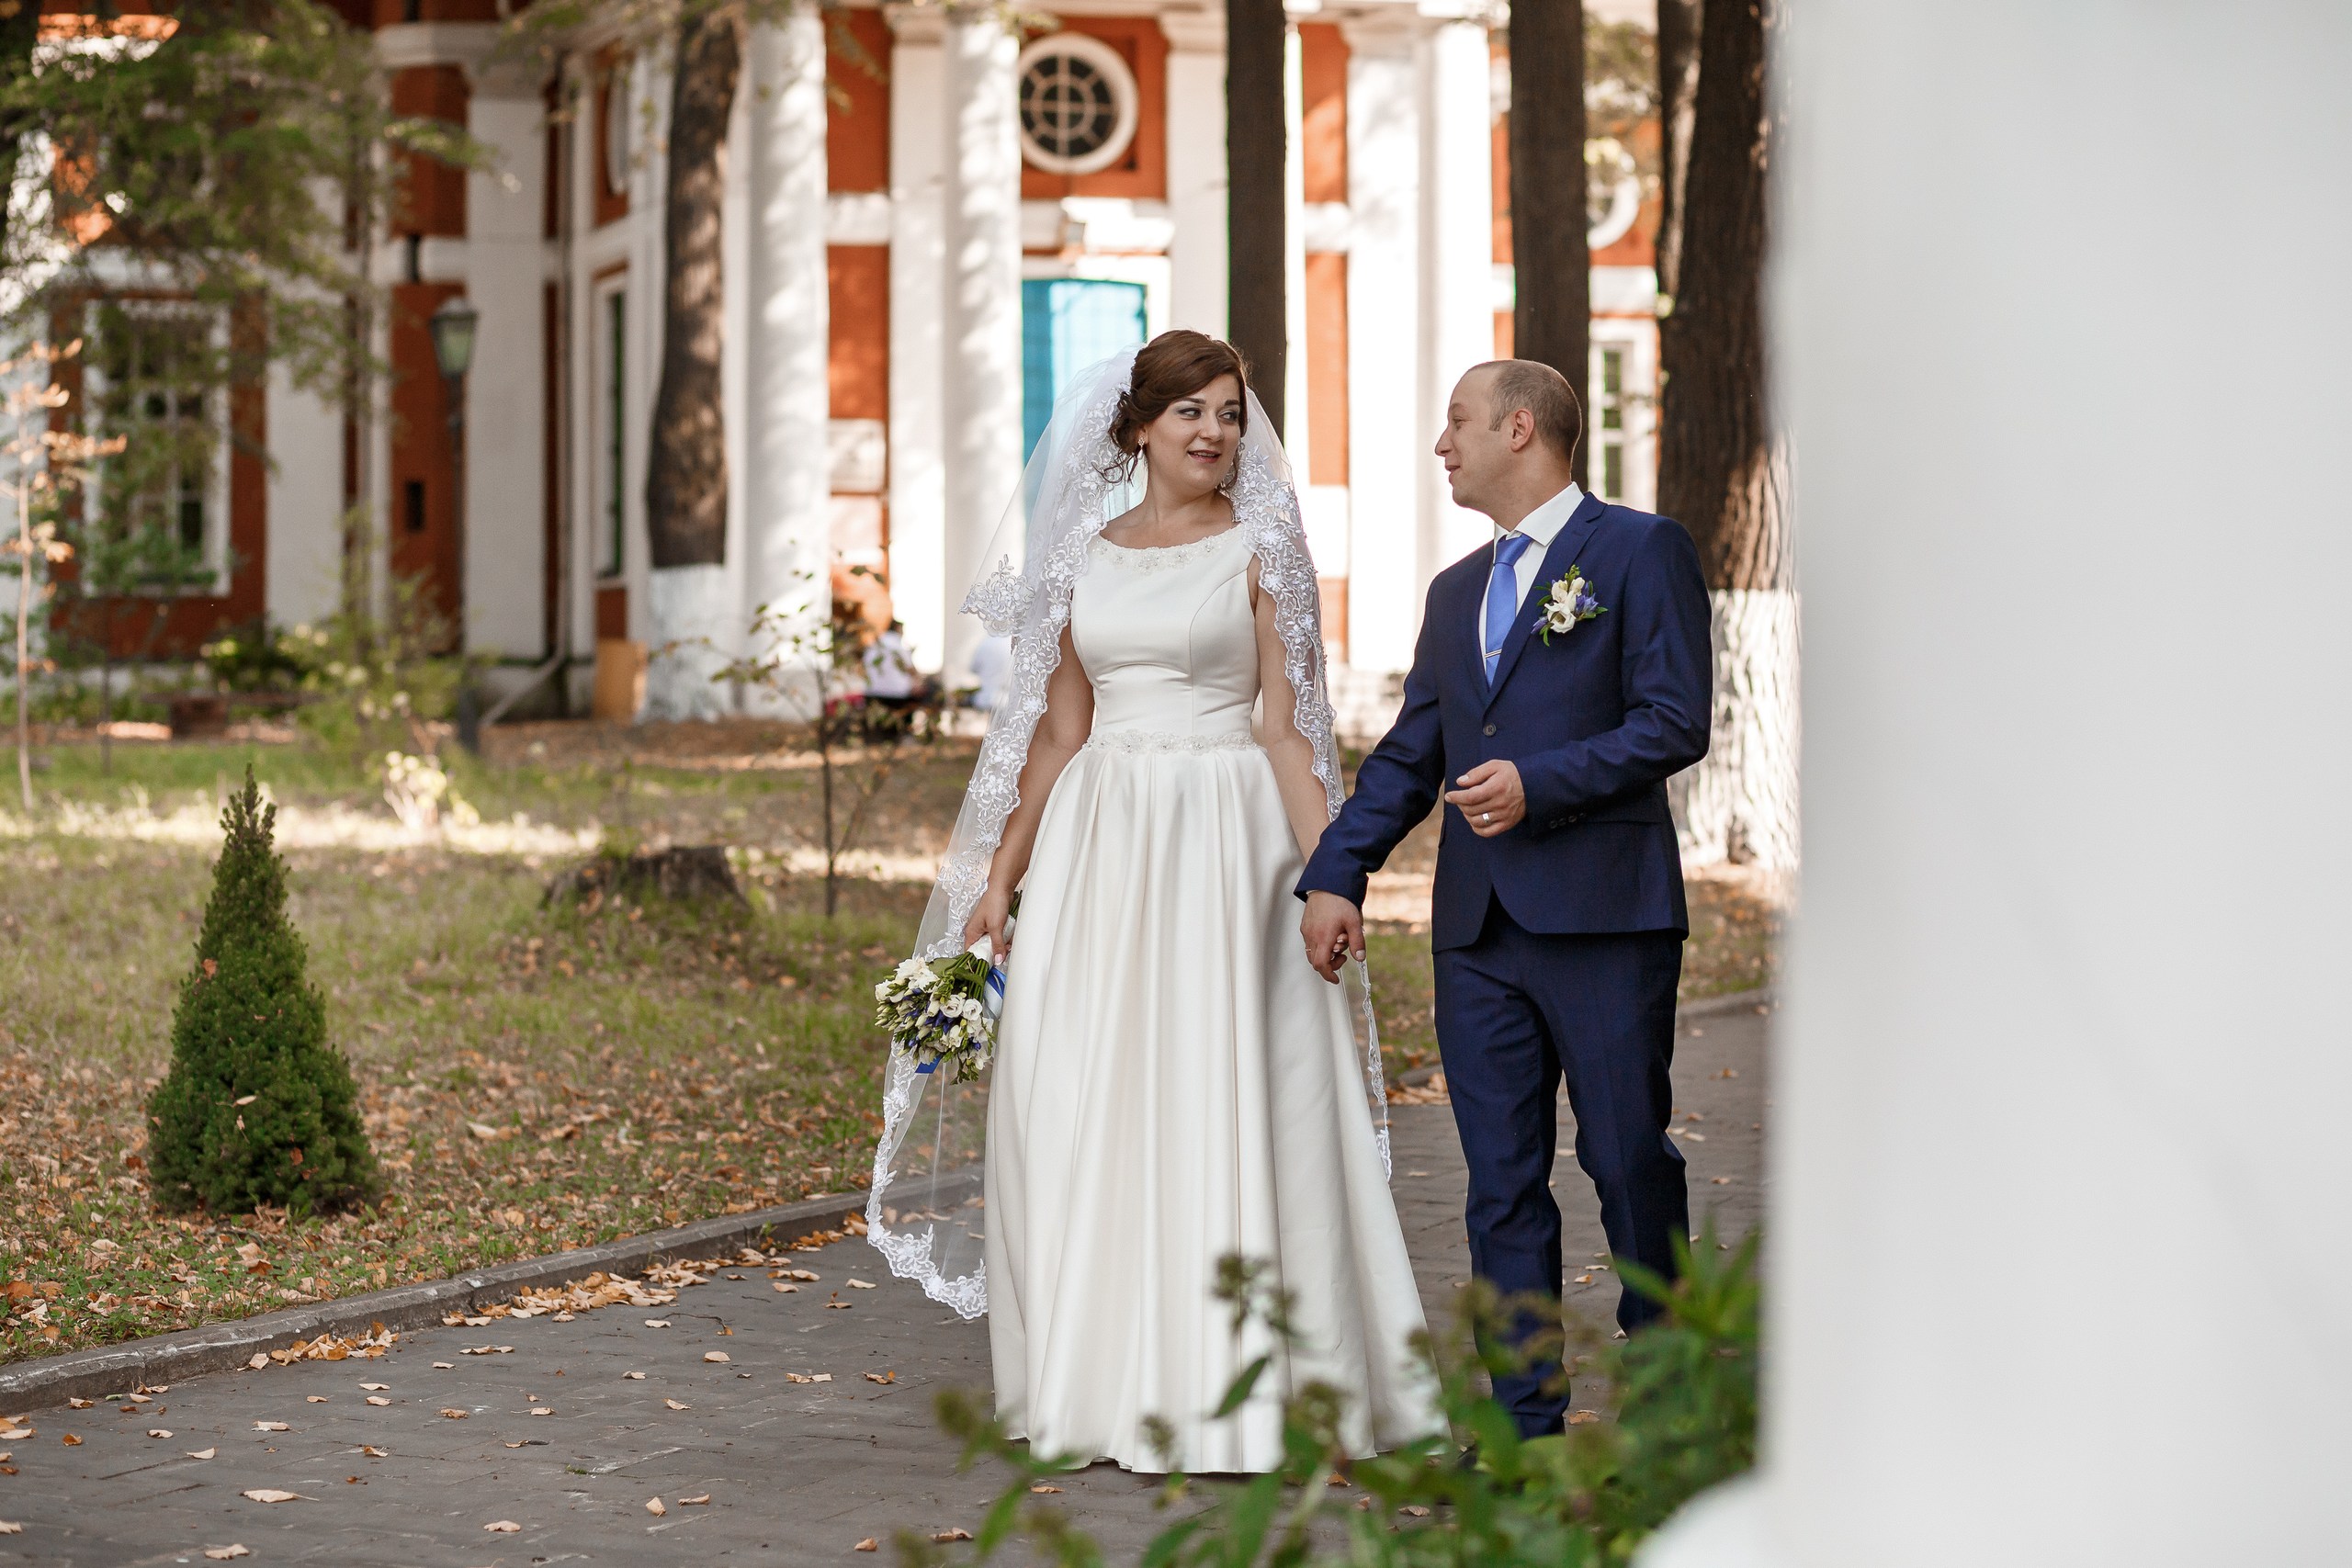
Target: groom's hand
1491	798
1334	930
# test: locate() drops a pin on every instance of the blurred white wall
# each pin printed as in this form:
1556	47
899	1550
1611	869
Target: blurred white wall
2061	1272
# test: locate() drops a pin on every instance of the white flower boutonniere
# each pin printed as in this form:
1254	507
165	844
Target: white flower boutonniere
1569	601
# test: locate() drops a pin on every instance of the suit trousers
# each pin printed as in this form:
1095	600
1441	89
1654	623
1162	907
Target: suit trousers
1517	1012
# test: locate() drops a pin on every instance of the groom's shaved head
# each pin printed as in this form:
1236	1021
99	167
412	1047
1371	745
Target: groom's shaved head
1544	392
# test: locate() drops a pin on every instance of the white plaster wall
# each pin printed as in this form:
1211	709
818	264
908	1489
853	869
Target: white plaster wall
2059	1267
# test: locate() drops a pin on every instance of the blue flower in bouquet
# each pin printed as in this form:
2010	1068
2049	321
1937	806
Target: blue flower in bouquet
942	1011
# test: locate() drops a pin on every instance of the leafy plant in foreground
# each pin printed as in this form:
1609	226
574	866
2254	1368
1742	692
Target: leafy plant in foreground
1686	1388
257	1108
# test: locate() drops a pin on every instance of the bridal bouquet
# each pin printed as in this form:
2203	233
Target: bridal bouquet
943	1010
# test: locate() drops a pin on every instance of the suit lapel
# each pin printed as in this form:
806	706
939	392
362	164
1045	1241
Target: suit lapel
1557	558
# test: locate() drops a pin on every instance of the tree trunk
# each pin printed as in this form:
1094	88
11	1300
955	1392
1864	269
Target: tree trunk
1678	92
1255	149
1551	313
685	480
1723	467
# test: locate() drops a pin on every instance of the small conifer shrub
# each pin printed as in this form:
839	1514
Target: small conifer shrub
257	1107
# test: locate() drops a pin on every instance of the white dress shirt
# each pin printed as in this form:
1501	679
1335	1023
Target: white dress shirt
1542	525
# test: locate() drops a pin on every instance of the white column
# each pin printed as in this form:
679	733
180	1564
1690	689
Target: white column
1295	419
981	385
1196	177
305	505
786	478
919	584
1457	315
1388	448
2058	1266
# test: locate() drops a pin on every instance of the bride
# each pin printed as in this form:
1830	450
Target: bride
1172	1083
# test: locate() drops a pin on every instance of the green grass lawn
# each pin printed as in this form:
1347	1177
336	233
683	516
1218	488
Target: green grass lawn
533	1078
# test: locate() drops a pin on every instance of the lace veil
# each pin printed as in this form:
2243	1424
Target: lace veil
924	1212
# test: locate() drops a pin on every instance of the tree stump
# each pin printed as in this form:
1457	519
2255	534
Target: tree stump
687	874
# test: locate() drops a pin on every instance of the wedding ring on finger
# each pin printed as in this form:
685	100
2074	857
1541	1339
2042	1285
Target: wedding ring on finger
1485	817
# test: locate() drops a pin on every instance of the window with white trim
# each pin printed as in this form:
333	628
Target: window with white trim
158	508
1078	104
610	357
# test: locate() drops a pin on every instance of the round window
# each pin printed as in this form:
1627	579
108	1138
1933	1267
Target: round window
1078	104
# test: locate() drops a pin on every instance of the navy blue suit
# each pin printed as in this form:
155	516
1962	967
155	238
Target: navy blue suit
1558	944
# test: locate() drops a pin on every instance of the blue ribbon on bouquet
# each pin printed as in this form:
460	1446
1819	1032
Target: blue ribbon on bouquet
992	995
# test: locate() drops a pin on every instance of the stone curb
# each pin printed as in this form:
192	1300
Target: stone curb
224	1347
1761	998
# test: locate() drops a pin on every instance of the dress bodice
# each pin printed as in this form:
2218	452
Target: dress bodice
1167	638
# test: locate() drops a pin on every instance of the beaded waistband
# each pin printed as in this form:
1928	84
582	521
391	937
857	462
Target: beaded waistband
1137	740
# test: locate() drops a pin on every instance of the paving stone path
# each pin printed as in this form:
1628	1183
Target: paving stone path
793	1472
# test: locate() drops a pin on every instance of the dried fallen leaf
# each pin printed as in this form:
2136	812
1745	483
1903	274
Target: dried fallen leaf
502	1527
716	1356
882	1377
655	1506
1415	1510
482	1132
787	1288
861	1285
375	1387
314	1399
261	1360
1045	1490
445	1366
868	1544
634	1377
694	1502
675	1404
70	1440
10	1527
15	1434
371	1450
81	1404
804	1275
951	1535
224	1553
453	1415
202	1453
270	1495
158	1432
541	1410
1583	1417
271	1427
657	1323
377	1399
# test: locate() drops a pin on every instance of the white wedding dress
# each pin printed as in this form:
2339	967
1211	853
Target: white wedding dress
1173	1082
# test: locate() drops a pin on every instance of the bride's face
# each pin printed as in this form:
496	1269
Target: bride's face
1191	447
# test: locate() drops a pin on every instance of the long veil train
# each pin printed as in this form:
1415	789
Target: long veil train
923	1212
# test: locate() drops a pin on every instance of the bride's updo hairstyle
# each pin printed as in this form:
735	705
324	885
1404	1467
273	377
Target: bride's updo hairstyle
1173	366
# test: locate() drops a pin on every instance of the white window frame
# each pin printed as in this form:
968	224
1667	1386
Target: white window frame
1126	95
214	549
1636	436
608	429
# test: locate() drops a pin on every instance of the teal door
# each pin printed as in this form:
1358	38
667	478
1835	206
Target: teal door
1067	323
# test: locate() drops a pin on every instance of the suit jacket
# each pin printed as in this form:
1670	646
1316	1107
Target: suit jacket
1597	720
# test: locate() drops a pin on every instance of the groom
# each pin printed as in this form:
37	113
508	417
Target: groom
1557	917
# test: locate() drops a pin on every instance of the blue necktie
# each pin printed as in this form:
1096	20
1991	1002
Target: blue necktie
1502	596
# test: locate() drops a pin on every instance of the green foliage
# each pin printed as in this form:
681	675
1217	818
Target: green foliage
1686	1387
257	1107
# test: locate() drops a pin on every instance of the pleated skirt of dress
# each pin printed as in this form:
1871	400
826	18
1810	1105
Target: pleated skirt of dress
1173	1085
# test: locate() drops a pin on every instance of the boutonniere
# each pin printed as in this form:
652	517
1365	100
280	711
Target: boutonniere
1569	601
